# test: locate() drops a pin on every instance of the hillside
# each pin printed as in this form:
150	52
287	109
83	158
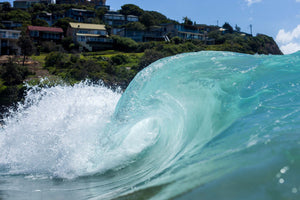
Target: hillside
118	65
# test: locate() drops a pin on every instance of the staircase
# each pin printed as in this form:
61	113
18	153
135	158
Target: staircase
166	38
86	46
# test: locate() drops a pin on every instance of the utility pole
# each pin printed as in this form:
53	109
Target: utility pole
217	22
251	29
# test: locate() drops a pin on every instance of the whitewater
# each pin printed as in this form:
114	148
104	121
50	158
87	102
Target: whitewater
205	125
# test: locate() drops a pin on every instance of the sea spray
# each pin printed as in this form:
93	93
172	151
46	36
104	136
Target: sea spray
208	125
57	129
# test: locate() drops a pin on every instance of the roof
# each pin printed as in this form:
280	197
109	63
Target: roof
45	29
87	26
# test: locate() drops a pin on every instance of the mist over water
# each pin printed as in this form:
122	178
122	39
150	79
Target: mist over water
206	125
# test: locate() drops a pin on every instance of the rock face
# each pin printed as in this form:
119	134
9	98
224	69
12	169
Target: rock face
268	45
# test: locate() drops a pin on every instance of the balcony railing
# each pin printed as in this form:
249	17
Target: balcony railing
93	39
5	36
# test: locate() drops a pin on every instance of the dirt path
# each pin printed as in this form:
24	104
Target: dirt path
33	66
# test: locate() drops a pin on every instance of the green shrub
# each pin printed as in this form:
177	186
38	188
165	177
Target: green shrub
149	57
124	44
56	59
14	74
120	59
177	40
49	46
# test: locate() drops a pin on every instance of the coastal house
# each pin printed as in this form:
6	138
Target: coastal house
95	3
91	37
8	42
41	33
48	17
100	4
115	19
132	18
188	32
80	15
153	34
71	2
183	31
24	4
11	24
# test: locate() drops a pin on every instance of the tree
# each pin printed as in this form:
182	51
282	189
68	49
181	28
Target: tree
6	6
237	28
39	22
136	26
124	44
63	23
38	7
147	19
158	17
187	21
100	12
66	43
131	9
150	56
228	27
55	59
26	45
14	74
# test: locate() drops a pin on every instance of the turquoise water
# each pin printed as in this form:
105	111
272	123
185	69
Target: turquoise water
206	125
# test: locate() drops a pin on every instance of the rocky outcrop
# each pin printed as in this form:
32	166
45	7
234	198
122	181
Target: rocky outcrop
267	45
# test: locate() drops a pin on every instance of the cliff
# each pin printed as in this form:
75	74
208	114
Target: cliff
244	43
268	45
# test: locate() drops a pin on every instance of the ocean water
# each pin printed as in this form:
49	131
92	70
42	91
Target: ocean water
206	125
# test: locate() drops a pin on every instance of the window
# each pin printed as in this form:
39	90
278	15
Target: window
15	35
81	38
2	34
34	33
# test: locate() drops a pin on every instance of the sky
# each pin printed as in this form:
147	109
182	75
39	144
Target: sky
279	19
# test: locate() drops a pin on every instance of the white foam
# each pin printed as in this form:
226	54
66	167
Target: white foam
57	130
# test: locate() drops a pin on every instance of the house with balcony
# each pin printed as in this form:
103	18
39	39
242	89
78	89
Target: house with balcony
24	4
188	32
8	42
115	19
100	4
41	33
11	24
91	37
153	34
183	31
48	17
81	2
80	15
132	18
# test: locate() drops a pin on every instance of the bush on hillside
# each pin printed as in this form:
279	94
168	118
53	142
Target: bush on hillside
124	44
119	59
14	74
149	57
